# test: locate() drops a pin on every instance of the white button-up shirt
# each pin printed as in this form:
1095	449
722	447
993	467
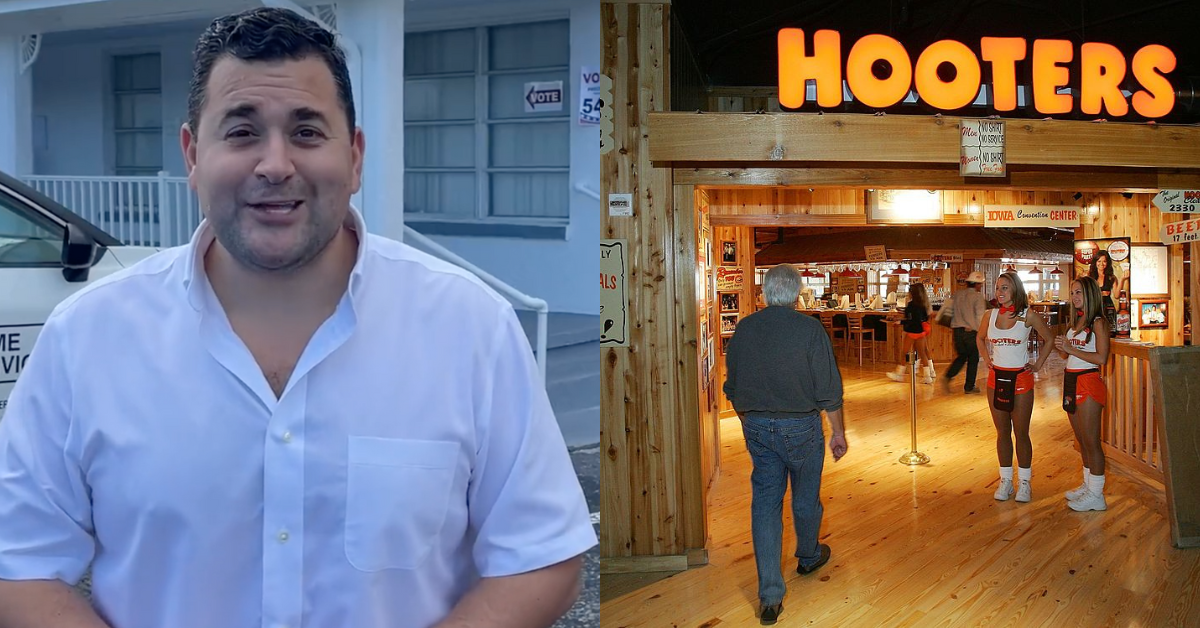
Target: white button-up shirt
413	451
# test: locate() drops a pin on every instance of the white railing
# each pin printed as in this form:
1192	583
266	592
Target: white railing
158	211
163	211
512	294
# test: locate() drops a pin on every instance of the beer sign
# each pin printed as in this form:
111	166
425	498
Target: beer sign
1180	232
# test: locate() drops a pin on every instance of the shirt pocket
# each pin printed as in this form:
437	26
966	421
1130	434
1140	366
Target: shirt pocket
397	496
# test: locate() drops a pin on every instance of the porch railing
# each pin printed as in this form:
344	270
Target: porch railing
162	211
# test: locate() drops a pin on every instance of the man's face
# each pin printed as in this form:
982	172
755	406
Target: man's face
273	161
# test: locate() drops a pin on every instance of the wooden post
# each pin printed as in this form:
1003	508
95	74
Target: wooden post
653	501
1173	370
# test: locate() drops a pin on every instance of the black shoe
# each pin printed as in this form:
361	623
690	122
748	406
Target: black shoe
770	614
972	391
824	558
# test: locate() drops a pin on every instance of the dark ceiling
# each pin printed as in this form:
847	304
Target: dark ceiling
733	42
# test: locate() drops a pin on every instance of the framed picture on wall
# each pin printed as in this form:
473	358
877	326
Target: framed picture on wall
729	252
725	344
1149	270
729	301
1152	314
728	324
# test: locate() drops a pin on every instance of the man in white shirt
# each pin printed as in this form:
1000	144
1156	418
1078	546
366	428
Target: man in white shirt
288	422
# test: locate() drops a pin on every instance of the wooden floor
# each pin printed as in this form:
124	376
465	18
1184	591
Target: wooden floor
929	546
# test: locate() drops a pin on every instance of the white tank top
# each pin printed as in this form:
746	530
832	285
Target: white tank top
1077	340
1010	347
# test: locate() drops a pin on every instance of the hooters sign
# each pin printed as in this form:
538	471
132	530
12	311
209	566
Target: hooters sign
1102	71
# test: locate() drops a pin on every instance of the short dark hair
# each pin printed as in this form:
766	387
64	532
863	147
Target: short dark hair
265	34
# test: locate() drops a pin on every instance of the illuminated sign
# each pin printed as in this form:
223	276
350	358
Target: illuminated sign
1102	70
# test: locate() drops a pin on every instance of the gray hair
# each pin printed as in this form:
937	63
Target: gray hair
781	285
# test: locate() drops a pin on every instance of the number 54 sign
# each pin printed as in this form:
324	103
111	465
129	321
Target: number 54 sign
589	96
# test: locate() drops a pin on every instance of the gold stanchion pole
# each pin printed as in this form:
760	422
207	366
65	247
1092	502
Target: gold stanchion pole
913	457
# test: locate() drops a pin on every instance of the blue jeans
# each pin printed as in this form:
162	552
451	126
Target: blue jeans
779	449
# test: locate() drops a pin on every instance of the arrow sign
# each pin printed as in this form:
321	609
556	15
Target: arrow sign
1180	232
1177	201
543	97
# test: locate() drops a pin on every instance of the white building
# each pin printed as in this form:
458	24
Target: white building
93	93
98	88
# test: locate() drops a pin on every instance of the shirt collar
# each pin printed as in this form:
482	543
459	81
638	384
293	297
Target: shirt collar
195	280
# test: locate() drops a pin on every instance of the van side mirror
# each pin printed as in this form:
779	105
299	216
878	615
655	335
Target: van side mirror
78	252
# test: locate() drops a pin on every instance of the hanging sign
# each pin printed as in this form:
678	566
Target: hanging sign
981	148
1177	201
876	253
1030	216
1180	232
946	257
614	321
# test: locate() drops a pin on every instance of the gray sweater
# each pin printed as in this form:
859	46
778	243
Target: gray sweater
780	364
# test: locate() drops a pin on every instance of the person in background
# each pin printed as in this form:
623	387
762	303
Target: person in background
1085	345
917	313
297	423
1004	344
780	376
969	307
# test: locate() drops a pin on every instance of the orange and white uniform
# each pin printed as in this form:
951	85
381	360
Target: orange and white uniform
1089	384
1010	352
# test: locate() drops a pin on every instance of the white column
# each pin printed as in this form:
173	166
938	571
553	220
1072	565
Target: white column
16	109
377	26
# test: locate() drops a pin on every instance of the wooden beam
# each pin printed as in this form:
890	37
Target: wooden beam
789	220
692	521
815	138
1141	180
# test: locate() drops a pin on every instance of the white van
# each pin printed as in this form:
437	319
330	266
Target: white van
46	254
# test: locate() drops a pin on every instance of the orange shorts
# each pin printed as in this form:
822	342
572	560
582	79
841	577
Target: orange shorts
1090	385
925	329
1024	379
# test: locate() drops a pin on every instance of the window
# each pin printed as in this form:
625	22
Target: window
27	238
472	153
137	118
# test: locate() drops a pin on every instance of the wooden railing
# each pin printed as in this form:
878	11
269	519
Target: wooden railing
1129	424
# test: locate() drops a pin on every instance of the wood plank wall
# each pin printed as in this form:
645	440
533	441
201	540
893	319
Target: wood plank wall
1137	219
650	429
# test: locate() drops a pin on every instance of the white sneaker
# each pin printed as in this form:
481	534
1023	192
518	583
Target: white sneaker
896	376
1005	490
1024	491
1076	492
1089	501
927	379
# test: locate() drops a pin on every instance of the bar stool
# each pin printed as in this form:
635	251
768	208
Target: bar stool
827	322
856	329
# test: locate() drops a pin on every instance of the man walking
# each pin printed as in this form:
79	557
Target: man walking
781	374
968	306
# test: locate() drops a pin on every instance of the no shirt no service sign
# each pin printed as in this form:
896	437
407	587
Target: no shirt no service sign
541	97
